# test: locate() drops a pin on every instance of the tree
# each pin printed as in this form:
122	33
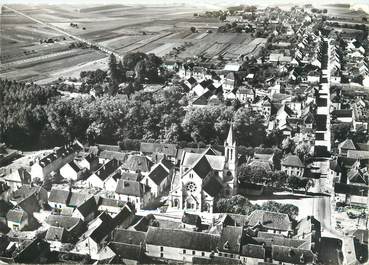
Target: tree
249	127
140	71
193	29
256	175
295	183
198	123
303	151
152	66
113	68
287	145
237	204
131	59
290	209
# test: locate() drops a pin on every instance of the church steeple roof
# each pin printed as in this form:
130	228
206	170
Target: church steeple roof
231	139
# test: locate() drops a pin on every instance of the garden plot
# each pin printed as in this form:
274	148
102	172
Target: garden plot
250	49
163	49
215	50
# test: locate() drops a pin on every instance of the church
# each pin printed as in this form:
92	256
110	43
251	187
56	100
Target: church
205	176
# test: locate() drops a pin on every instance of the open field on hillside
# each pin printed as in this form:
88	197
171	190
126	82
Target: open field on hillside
164	31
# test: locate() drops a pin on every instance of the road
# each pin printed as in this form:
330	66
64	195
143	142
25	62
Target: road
322	206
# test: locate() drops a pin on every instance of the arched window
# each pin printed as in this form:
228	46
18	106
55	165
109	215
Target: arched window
176	203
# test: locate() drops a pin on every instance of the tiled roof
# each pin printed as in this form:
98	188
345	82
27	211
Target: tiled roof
358	190
292	255
230	239
348	144
111	202
30	204
15	215
23	192
158	174
66	222
358	154
55	234
87	207
59	196
212	184
131	176
138	163
127	251
168	149
131	188
131	237
253	251
191	219
107	169
181	239
76	198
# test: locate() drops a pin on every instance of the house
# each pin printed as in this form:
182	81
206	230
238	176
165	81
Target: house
158	178
131	237
271	222
253	253
30	204
86	210
17	178
179	245
109	205
138	164
73	228
59	199
105	177
244	94
358	174
97	235
356	195
55	160
71	170
128	254
293	166
191	222
168	150
27	190
358	154
229	82
190	82
17	219
343	115
56	236
346	145
231	241
35	251
132	191
90	162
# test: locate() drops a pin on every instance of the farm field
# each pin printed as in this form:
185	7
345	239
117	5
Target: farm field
164	31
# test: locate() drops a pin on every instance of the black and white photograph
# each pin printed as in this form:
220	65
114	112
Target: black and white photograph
184	132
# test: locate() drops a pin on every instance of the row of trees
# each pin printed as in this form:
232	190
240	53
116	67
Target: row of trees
238	204
272	178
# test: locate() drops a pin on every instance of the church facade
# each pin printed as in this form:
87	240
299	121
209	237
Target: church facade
204	177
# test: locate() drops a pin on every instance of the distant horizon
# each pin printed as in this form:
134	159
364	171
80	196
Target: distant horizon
188	2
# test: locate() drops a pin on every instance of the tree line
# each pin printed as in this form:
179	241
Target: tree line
33	116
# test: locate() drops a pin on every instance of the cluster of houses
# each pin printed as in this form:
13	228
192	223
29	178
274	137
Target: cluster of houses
91	229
